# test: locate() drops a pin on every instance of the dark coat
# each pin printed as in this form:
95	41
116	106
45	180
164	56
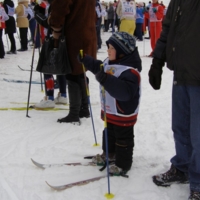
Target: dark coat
80	27
179	42
10	23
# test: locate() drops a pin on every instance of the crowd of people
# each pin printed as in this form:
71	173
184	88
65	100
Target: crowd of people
119	73
137	20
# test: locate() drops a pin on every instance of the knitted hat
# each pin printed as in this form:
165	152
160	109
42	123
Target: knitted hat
123	43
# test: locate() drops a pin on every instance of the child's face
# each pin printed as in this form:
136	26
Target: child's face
111	52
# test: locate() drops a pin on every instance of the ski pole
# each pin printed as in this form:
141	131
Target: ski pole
89	103
31	72
107	195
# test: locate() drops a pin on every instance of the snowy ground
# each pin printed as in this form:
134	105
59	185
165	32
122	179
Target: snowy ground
42	138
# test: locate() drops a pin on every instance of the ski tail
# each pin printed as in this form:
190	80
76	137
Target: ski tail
78	183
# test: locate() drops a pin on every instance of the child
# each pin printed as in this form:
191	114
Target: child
121	79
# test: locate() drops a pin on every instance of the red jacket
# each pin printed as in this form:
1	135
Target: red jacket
159	13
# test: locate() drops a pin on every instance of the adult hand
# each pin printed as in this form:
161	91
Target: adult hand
155	73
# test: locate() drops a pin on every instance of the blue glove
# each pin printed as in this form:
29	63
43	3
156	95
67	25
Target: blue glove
155	10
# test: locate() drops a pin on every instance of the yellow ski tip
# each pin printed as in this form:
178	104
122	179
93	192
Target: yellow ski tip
96	145
109	196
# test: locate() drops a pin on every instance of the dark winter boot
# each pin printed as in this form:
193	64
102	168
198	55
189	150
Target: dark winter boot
84	111
194	195
173	175
74	104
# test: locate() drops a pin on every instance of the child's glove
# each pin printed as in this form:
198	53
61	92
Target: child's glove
101	77
155	10
155	73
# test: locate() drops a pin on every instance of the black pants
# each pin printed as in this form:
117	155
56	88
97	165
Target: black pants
2	52
12	42
23	37
120	143
110	22
98	32
49	84
138	31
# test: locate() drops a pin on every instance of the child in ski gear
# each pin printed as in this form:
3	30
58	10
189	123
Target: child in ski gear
10	24
179	49
120	77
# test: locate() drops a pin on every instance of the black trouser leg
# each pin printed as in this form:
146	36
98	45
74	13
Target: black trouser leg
12	42
74	91
23	36
2	52
120	142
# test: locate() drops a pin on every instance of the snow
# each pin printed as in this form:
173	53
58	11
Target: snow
40	137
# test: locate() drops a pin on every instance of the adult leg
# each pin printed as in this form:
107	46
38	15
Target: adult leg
194	167
74	91
12	41
23	37
139	31
98	32
181	127
84	110
2	52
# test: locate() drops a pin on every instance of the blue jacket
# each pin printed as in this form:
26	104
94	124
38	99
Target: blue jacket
139	15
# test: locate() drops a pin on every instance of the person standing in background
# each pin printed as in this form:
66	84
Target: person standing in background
98	9
22	23
10	24
139	21
155	15
126	10
3	17
110	21
77	17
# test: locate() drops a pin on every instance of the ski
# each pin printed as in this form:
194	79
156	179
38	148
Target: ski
32	108
44	166
20	81
27	70
78	183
